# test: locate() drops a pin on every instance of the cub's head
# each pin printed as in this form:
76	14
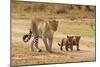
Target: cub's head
53	24
77	38
70	38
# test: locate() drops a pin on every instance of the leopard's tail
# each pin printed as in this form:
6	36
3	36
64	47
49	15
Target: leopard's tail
27	37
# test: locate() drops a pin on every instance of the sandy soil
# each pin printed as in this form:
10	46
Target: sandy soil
23	55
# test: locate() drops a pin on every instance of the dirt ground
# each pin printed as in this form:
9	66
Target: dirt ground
21	53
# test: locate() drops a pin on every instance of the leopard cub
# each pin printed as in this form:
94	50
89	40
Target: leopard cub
69	42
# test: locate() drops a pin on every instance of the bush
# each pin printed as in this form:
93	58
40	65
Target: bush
28	9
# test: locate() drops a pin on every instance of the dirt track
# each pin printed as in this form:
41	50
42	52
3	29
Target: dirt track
22	54
85	54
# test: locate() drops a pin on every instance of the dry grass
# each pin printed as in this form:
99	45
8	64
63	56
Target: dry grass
22	54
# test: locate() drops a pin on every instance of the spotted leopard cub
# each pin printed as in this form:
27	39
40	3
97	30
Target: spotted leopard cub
67	42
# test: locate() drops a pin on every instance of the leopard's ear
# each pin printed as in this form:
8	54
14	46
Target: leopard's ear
67	36
72	36
79	36
59	44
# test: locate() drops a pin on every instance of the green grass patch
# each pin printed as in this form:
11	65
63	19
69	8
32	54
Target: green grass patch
89	44
17	34
83	30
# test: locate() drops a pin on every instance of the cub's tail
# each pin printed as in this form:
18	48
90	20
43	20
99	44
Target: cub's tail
27	37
